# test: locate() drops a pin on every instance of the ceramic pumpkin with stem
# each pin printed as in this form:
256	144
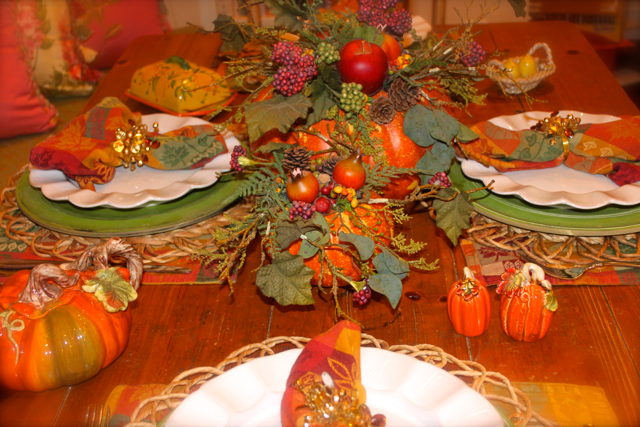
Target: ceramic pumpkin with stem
469	306
527	303
60	325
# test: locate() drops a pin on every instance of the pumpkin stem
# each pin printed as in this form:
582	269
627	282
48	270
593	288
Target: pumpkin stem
45	284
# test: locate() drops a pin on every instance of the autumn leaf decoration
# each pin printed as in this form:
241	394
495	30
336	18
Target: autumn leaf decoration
111	289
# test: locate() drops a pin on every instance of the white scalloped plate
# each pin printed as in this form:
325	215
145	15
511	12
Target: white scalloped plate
144	186
409	392
554	186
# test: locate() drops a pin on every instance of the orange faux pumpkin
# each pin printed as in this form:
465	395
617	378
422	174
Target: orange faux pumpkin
527	303
342	222
469	306
55	333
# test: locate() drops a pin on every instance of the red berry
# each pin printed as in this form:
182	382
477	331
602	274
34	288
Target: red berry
326	190
323	205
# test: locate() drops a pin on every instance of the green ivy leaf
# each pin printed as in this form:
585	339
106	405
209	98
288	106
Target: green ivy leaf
388	285
388	263
110	288
363	244
330	76
231	33
272	146
285	15
453	216
322	101
319	220
518	7
288	232
307	250
279	112
369	33
416	125
465	134
443	127
434	161
286	279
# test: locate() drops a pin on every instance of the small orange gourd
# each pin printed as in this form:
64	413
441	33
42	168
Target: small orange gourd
469	306
527	303
60	325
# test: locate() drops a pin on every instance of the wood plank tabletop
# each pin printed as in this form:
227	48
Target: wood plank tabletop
594	337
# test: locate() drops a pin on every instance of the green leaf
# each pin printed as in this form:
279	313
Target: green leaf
453	216
443	127
388	285
307	250
272	146
286	279
232	33
330	76
178	61
370	34
518	7
319	220
279	112
434	161
416	125
465	134
110	288
363	244
550	301
288	232
388	263
322	101
285	15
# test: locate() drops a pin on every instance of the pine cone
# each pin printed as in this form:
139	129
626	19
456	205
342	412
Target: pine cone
296	158
329	164
382	110
403	95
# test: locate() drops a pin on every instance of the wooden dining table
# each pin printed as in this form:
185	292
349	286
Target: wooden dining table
594	338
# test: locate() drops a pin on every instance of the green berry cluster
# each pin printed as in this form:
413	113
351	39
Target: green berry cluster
327	53
352	100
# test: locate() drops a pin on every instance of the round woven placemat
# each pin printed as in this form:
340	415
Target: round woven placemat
473	374
159	248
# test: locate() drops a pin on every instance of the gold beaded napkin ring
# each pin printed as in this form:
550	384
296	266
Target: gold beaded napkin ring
133	146
554	125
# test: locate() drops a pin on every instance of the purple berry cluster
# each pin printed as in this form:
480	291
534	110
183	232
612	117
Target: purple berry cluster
237	152
376	13
362	296
303	209
441	179
476	55
297	68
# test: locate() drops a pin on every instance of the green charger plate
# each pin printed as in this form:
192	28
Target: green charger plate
65	217
605	221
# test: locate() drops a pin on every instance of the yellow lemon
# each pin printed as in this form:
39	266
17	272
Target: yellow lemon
511	65
528	66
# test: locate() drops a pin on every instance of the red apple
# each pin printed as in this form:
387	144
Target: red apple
364	63
391	47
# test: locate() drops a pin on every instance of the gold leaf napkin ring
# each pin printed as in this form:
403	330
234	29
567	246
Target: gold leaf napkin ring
554	125
133	145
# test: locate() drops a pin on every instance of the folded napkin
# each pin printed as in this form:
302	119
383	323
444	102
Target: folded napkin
337	353
611	149
83	149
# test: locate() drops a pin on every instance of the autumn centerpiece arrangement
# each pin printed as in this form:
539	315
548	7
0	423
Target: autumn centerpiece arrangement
348	127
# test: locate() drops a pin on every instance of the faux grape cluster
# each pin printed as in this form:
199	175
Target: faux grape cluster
476	55
237	152
352	100
362	296
297	68
376	13
302	209
327	53
441	179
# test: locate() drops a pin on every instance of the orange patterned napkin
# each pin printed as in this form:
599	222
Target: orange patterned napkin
336	352
83	151
611	149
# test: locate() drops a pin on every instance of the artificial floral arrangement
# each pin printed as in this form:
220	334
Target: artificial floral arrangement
347	128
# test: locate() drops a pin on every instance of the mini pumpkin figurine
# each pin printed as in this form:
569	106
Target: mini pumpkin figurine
469	306
527	303
60	325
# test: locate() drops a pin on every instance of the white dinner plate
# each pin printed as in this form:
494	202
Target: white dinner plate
409	392
144	186
553	186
